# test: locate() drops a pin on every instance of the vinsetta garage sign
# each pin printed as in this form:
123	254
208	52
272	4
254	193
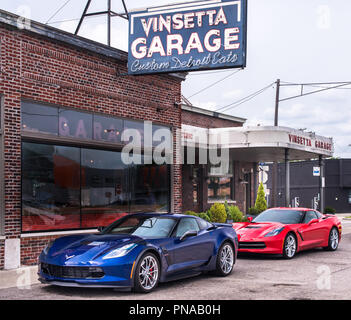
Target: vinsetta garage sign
190	36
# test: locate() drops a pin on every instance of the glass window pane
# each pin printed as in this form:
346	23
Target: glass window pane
50	187
108	129
219	188
75	124
104	187
137	125
39	118
150	188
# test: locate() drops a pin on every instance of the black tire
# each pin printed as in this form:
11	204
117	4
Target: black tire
225	260
333	240
290	246
148	266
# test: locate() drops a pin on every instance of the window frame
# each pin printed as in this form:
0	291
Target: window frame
81	147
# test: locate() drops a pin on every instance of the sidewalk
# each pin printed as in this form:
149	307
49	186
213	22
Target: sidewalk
21	278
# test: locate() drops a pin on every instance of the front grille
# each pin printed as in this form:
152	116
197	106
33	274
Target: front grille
251	245
72	272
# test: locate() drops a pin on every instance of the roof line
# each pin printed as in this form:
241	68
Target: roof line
210	113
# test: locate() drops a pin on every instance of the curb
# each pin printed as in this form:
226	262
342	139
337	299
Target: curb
21	278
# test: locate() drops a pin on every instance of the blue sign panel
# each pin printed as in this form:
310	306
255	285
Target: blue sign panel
191	36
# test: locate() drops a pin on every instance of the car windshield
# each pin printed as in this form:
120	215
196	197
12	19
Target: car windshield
145	227
282	216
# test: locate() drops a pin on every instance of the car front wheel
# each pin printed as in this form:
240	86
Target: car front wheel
147	273
333	241
290	246
225	260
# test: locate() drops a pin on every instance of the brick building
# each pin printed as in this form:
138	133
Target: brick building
65	103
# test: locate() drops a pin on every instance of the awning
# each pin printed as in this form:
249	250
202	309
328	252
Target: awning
261	143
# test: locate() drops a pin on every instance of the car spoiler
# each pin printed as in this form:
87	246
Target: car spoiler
222	224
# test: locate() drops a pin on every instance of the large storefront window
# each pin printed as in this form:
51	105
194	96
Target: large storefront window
69	188
50	187
104	187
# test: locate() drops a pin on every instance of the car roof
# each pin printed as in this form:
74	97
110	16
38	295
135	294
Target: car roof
296	209
153	214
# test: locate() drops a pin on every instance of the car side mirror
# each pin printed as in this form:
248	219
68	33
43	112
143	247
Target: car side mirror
313	221
101	228
187	234
250	219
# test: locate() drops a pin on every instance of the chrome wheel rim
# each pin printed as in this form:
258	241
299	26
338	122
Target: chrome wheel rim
148	273
290	246
334	239
226	259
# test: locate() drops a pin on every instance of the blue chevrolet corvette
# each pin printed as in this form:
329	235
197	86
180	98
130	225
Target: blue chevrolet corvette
138	251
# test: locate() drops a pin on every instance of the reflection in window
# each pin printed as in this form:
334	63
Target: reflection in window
220	183
71	188
219	188
150	188
75	124
50	187
39	118
108	129
104	187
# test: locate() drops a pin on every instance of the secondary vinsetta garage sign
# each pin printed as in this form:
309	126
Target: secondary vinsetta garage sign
190	36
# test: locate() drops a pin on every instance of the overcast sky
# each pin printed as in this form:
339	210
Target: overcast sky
298	41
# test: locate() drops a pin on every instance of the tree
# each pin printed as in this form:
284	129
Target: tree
261	203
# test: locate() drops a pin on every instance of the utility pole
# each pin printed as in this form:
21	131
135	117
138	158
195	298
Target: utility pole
275	163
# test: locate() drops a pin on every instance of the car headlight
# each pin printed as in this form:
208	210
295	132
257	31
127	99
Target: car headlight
48	246
274	232
120	252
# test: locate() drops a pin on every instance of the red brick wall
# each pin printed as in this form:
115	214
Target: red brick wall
204	121
37	68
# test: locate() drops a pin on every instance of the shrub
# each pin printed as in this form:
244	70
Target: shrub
235	214
261	203
190	213
253	211
329	210
204	216
218	213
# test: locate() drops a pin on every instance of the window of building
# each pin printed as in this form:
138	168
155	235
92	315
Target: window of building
220	182
39	118
70	187
104	187
75	124
107	129
63	122
50	187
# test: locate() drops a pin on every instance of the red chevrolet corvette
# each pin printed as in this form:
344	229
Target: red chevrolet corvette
287	231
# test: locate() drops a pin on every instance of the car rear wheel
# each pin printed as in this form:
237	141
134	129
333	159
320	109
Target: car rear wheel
290	246
147	273
225	260
333	242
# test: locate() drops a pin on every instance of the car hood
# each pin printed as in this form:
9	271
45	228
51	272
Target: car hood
84	249
249	231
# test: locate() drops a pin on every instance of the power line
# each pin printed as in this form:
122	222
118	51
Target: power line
211	85
58	11
339	84
245	99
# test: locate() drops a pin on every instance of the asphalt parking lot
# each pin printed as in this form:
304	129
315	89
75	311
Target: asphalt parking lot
314	274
